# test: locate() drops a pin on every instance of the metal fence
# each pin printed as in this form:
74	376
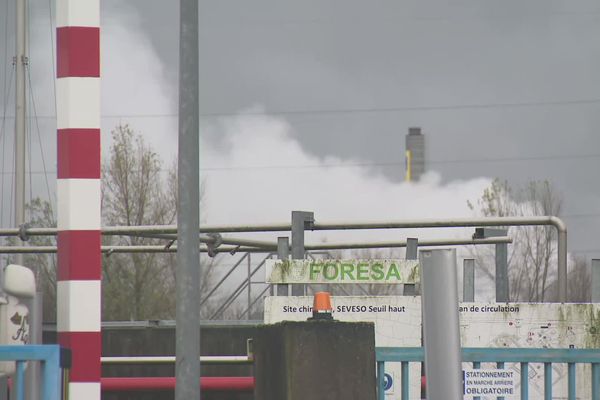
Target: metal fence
523	357
48	355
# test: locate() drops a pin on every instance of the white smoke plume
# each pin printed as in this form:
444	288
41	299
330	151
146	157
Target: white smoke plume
259	173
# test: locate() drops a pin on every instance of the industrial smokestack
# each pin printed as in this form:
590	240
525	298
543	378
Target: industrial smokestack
415	155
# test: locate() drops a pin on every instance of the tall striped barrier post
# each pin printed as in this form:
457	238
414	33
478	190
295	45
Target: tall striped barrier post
78	191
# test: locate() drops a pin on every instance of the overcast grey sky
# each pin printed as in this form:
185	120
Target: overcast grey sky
506	89
511	81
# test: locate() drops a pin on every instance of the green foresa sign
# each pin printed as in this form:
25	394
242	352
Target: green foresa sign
342	271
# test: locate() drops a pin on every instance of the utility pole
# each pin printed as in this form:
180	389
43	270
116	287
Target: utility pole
187	331
21	61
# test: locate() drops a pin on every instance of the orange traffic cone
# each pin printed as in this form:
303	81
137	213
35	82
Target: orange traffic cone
322	306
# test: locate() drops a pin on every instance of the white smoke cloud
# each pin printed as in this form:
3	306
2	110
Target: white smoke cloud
134	86
259	173
134	90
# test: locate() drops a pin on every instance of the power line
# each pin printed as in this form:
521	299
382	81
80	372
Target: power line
518	159
404	18
52	31
379	164
367	110
34	109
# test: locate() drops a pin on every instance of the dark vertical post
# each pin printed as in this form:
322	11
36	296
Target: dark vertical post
300	221
3	387
187	341
596	281
412	250
501	272
469	279
501	260
283	253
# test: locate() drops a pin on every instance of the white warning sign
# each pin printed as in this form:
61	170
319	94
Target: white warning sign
489	383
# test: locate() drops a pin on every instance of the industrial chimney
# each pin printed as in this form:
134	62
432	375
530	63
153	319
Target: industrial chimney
415	155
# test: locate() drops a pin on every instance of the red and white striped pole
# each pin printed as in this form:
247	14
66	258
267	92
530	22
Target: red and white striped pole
78	192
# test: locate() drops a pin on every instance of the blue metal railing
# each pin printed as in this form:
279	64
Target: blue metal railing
48	355
571	357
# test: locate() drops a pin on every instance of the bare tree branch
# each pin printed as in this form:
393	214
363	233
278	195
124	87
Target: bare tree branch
533	252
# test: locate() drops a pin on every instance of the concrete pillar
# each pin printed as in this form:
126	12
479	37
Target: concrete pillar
441	332
412	253
316	360
301	220
595	281
283	253
502	273
469	279
78	191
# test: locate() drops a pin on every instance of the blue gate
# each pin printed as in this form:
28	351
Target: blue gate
48	355
571	357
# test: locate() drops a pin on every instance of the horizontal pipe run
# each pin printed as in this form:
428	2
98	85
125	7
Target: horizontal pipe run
207	383
447	223
430	223
209	239
244	249
171	359
422	243
425	223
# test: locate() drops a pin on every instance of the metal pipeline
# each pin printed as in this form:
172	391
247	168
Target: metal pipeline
431	223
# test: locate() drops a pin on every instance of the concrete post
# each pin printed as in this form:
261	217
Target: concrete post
283	253
78	193
187	332
469	280
411	254
502	273
595	281
4	388
501	260
300	221
33	372
441	324
20	116
316	360
562	260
